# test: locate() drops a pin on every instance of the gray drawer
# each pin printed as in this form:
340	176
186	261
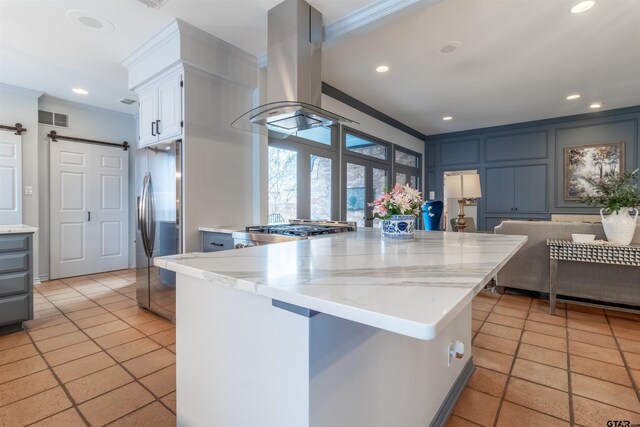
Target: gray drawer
14	262
16	283
212	242
14	243
14	309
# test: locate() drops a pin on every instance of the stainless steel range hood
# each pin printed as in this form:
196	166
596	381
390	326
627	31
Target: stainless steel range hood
294	62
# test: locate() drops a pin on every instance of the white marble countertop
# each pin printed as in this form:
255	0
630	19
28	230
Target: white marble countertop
412	287
17	228
227	229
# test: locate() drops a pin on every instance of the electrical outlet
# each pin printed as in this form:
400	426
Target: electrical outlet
456	350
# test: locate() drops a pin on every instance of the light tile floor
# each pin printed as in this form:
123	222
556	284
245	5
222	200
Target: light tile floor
92	357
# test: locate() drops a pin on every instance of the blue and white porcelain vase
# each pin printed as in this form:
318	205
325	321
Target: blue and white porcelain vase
398	227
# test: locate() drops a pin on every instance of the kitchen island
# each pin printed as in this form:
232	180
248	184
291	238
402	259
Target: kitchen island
345	330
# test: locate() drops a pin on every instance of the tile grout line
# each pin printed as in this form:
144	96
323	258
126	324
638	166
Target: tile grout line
572	420
634	385
60	384
513	362
63	386
135	379
509	375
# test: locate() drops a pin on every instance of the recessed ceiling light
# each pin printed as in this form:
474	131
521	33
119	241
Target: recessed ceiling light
446	118
572	97
595	105
582	6
382	69
447	47
80	91
89	20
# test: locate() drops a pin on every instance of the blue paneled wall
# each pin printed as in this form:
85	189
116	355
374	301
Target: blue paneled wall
495	151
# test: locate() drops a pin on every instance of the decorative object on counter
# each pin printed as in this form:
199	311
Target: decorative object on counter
398	209
583	238
617	194
462	187
432	214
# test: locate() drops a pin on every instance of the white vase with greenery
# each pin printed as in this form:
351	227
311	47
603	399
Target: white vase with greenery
617	194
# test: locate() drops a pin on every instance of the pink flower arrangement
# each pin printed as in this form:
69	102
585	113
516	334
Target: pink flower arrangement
402	200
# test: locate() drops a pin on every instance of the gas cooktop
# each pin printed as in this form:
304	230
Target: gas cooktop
303	228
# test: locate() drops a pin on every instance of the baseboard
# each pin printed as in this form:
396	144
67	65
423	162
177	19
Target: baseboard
440	420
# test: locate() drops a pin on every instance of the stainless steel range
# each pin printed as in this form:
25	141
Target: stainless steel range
296	229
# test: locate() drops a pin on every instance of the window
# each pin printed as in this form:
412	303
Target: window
313	176
283	183
303	175
365	146
320	188
407	167
366	174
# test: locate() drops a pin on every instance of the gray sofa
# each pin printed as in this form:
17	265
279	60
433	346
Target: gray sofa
529	268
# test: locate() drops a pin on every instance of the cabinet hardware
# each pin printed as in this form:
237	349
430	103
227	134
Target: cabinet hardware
153	132
158	126
217	244
89	216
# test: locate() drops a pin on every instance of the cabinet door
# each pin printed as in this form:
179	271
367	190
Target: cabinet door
148	115
170	108
530	189
499	190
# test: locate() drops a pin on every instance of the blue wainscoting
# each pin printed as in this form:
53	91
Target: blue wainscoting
521	146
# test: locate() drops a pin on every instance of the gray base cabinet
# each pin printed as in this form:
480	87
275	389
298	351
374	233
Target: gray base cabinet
16	281
213	242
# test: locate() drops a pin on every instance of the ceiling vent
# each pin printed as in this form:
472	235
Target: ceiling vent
53	119
153	4
127	101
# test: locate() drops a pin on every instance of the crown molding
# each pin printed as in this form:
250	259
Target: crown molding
367	15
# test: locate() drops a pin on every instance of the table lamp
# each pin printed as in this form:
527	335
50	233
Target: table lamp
461	187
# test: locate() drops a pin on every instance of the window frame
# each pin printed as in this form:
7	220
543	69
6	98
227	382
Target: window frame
405	169
305	148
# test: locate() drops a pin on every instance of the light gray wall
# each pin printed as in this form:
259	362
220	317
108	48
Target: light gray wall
19	105
89	123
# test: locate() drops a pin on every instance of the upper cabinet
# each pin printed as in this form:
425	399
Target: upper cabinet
520	189
161	109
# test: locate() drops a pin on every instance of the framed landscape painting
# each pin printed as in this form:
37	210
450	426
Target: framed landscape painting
584	165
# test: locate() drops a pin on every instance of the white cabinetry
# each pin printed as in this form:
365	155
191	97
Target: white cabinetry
161	110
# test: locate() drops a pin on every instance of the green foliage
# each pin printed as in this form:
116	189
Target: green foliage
616	191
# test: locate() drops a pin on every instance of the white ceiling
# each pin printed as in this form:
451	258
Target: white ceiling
518	61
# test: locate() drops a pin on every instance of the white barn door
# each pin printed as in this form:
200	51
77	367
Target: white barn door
10	178
89	209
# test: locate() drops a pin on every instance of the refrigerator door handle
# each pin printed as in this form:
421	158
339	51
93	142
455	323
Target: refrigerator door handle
142	214
151	234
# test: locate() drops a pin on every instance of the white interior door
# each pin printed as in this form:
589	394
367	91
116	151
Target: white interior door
10	178
89	205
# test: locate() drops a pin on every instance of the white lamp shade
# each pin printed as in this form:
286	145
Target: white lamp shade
464	186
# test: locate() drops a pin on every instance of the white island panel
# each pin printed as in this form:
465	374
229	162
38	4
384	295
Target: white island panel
322	332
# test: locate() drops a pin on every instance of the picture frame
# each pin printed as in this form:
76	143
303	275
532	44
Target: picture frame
585	164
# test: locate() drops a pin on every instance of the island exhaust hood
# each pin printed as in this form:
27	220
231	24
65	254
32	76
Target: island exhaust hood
294	61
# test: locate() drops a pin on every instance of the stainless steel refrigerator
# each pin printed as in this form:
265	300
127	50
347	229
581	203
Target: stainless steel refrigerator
159	231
